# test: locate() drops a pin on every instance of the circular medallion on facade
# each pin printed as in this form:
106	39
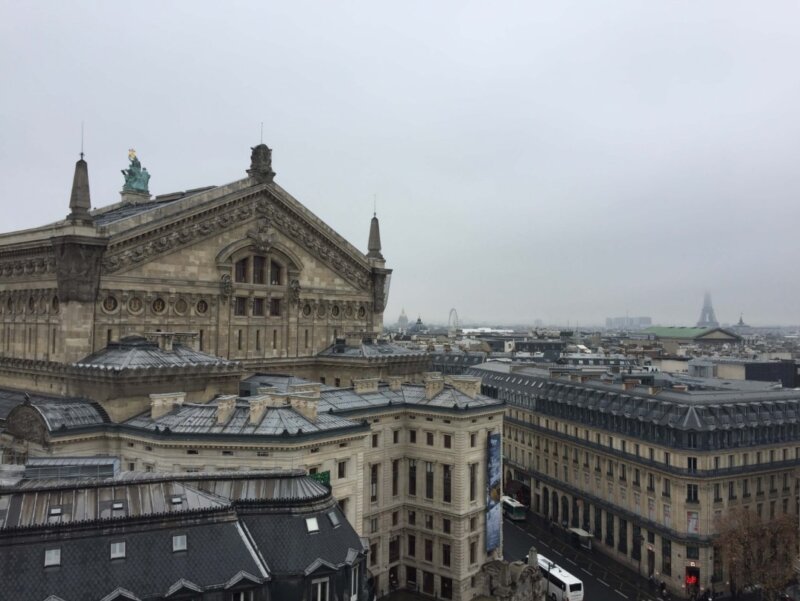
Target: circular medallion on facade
159	305
349	311
55	305
202	307
110	303
335	311
180	306
321	310
135	305
306	310
362	312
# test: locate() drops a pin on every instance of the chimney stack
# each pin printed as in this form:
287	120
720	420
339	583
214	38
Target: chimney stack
434	384
365	385
226	405
395	383
468	385
161	404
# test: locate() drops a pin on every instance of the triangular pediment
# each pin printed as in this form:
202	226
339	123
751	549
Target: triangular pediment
147	237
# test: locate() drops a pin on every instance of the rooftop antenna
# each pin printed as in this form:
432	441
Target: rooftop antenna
375	205
262	133
81	140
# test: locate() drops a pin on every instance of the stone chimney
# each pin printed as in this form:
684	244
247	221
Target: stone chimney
161	404
258	407
306	406
395	383
226	405
353	339
365	385
434	384
629	384
468	385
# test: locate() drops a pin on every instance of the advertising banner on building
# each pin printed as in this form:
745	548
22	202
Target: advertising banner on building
494	510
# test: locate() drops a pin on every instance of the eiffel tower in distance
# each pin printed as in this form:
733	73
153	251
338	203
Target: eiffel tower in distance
707	318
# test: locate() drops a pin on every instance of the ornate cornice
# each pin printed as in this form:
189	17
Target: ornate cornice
35	262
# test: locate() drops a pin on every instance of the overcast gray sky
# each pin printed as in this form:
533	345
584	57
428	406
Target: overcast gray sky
560	161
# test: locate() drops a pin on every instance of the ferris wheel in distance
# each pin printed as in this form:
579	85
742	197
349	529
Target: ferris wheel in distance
452	324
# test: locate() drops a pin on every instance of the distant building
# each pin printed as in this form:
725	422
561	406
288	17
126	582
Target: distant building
730	368
247	536
628	323
671	338
402	321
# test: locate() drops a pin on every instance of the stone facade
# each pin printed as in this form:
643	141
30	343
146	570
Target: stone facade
255	274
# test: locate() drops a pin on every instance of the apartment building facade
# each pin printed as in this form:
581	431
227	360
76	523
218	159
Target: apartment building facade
648	472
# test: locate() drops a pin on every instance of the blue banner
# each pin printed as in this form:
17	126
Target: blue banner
494	510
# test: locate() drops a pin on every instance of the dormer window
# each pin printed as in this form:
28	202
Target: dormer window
176	500
333	518
117	506
312	525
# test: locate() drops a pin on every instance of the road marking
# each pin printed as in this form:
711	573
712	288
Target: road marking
620	593
587	571
603	582
569	560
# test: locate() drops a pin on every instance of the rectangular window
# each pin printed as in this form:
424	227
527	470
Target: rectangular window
319	589
274	339
473	481
717	492
692	495
428	521
259	270
445	555
472	440
239	339
275	307
447	483
395	436
306	334
429	438
275	274
395	477
473	552
240	306
445	525
731	490
179	543
373	483
373	554
667	491
342	469
258	307
118	550
447	441
428	480
412	545
374	441
412	436
412	518
428	549
52	557
691	464
412	477
241	271
666	557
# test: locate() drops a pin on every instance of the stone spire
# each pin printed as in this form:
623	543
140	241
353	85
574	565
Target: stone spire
79	202
374	244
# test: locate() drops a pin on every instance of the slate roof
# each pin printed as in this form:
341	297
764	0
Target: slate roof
138	352
689	410
246	526
289	548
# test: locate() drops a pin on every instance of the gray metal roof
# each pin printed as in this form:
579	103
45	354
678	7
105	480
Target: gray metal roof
346	399
69	413
380	348
202	419
134	352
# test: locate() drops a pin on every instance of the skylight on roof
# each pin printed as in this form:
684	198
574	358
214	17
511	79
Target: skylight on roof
333	518
117	506
312	525
54	511
176	500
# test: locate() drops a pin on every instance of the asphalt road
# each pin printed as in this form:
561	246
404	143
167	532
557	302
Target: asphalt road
601	582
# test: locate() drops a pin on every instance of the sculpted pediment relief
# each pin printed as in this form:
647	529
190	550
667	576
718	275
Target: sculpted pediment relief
274	217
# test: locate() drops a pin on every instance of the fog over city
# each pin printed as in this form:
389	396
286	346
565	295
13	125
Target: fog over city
555	161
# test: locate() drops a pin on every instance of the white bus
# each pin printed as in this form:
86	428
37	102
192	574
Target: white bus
513	509
561	585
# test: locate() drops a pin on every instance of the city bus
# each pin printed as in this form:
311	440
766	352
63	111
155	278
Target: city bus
513	509
561	585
